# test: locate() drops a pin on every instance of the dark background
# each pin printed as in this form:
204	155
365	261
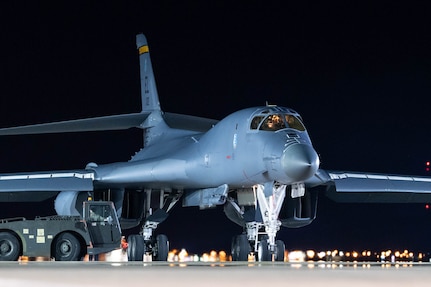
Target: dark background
358	72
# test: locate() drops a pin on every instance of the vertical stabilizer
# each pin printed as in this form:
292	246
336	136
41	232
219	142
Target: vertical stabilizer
150	98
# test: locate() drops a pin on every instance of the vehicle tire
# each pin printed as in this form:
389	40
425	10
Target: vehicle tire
136	248
263	253
67	247
10	247
162	248
279	250
240	248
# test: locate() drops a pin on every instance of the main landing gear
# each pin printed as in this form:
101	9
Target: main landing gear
259	238
145	243
138	247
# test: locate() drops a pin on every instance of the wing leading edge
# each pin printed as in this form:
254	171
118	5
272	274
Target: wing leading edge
377	188
116	122
72	180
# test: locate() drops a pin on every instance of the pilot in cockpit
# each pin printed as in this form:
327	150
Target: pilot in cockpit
273	123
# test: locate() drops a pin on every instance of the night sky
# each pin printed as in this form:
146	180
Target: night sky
358	72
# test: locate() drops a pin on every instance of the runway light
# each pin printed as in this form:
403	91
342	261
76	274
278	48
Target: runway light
183	255
205	257
310	254
334	253
223	256
321	254
296	256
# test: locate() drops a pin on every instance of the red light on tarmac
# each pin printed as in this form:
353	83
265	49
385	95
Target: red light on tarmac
427	206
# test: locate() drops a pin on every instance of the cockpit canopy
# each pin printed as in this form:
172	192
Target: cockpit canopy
274	120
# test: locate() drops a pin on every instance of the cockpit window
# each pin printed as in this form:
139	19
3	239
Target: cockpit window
275	122
255	122
294	123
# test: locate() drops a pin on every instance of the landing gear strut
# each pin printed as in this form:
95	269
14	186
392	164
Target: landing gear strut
145	243
260	237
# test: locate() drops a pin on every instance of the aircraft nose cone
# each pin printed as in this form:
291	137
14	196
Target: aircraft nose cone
300	162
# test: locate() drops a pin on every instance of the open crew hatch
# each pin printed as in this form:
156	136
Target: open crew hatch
276	119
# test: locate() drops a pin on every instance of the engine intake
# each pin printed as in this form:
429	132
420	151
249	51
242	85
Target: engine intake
300	211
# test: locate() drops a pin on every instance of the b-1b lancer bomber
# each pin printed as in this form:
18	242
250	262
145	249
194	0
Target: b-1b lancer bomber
259	163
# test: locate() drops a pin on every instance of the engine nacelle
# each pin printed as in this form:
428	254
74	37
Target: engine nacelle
69	203
129	205
300	211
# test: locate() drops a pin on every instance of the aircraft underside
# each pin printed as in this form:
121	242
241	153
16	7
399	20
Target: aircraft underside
261	210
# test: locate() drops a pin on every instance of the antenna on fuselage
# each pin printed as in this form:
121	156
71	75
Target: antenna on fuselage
269	105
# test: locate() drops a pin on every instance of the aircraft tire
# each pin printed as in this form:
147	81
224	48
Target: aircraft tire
9	247
136	248
67	247
233	249
263	251
240	248
279	250
162	245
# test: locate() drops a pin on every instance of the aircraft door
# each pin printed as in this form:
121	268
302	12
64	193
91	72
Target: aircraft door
102	223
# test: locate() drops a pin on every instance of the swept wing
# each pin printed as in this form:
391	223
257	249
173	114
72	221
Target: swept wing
71	180
374	187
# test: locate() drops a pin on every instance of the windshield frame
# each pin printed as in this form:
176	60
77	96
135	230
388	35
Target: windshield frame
276	120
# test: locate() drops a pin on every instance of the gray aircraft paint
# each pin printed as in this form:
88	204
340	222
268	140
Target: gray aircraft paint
212	162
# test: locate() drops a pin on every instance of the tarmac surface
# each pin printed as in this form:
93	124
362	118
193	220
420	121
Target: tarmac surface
65	274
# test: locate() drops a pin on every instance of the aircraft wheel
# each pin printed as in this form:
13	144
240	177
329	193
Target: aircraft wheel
67	248
162	248
9	247
136	248
263	253
279	250
240	248
233	248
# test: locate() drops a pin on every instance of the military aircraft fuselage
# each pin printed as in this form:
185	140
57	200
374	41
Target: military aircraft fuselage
264	144
258	163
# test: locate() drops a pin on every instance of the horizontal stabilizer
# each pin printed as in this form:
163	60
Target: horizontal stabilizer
116	122
47	181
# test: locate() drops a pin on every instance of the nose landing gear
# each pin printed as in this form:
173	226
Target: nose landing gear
259	238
